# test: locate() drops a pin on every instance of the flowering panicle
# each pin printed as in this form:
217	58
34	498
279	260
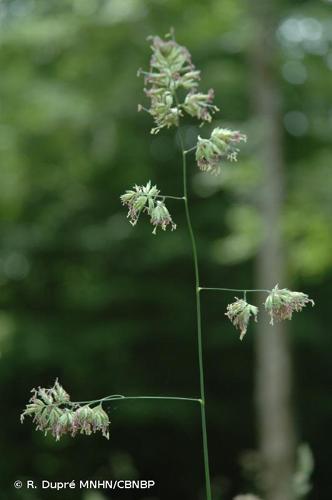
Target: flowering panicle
239	313
281	303
52	411
171	69
145	199
222	144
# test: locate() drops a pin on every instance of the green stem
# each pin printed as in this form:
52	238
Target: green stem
191	149
167	196
199	324
119	397
233	290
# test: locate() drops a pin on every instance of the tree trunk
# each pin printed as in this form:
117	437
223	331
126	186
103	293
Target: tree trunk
273	371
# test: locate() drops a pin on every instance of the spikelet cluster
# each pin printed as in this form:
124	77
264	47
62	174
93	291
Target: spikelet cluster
52	412
280	304
172	86
222	145
146	199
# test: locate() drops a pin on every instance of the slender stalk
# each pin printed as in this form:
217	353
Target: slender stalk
196	400
170	197
191	149
119	397
199	324
232	290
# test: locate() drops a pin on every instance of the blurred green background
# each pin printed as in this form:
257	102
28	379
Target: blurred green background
109	308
